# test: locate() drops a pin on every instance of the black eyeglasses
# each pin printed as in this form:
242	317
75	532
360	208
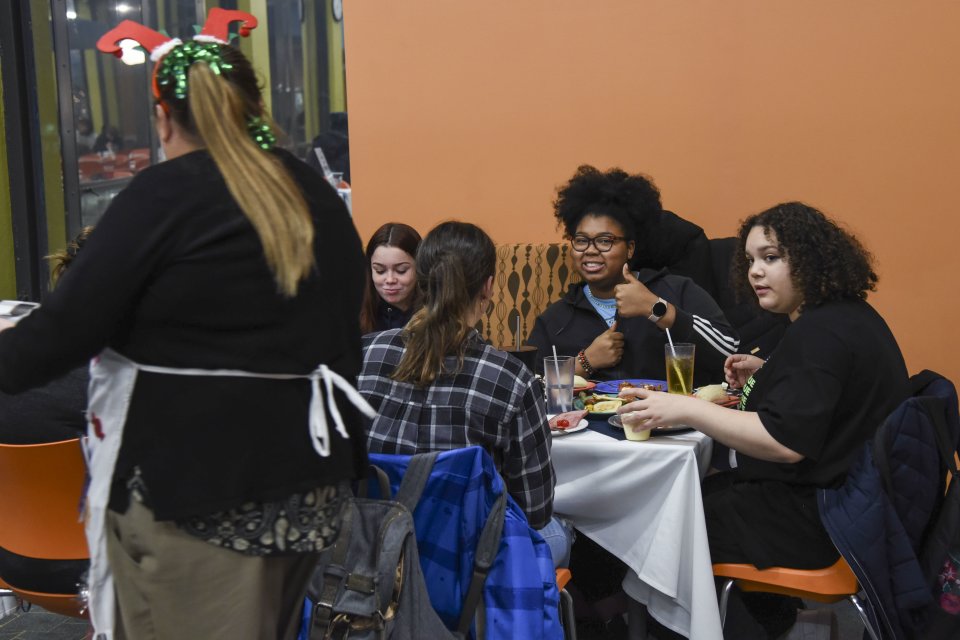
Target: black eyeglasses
602	243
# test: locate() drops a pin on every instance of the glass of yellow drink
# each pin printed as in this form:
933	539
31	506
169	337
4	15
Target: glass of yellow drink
679	357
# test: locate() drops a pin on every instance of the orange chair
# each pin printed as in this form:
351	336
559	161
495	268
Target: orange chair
567	616
831	584
42	488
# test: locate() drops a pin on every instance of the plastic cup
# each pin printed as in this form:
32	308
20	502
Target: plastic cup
558	378
679	357
628	423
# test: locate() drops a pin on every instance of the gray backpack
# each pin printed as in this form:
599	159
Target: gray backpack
369	583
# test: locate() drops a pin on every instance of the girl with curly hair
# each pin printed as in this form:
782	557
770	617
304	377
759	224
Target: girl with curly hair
615	320
804	413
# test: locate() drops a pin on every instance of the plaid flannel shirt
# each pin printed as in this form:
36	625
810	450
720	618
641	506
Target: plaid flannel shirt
493	401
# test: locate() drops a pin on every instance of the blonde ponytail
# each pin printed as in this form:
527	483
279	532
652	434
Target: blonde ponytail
257	180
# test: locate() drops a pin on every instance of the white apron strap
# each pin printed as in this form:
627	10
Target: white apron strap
112	378
319	431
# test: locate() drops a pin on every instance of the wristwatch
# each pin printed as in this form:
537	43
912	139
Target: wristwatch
659	310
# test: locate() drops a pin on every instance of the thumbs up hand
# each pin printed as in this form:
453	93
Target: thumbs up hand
606	350
633	297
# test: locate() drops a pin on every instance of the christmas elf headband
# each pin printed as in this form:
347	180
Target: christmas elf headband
173	57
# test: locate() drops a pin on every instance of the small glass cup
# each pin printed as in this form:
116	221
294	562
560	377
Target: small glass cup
558	379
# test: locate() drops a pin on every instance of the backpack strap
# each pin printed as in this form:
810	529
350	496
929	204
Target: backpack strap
487	547
363	487
325	599
936	409
415	479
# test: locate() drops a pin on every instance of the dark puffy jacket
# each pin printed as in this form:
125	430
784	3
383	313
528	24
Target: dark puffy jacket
880	518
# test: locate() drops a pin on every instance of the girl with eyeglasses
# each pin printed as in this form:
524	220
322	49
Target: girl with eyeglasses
614	321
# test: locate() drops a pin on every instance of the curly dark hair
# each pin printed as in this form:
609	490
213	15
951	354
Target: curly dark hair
826	262
632	200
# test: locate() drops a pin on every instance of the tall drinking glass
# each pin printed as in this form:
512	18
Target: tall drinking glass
679	358
558	377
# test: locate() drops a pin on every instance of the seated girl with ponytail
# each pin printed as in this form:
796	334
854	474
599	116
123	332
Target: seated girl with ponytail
436	385
222	420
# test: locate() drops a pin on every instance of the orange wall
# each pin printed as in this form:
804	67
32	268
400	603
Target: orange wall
479	109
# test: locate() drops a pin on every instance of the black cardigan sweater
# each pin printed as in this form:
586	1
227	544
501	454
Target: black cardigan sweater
174	275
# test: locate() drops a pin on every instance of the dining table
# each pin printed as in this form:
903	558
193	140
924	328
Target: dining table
641	501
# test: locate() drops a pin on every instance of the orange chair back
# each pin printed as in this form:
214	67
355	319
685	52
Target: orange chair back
42	484
830	584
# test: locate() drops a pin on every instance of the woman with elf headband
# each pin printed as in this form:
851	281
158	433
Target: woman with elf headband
218	300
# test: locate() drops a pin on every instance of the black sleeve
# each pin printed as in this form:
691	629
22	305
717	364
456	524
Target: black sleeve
76	320
700	320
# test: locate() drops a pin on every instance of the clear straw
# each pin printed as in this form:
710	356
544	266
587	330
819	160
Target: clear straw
670	340
518	332
556	361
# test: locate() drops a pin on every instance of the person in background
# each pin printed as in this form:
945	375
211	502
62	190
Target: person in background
334	145
615	320
55	411
86	138
391	294
667	241
436	385
805	411
223	423
110	140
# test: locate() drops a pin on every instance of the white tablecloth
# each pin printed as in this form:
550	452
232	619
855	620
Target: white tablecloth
641	501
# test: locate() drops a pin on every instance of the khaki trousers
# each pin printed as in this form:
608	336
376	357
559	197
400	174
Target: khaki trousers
170	584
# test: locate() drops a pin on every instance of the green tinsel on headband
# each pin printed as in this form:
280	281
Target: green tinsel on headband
173	69
261	133
174	66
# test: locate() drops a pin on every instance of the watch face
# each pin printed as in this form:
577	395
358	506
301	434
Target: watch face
659	309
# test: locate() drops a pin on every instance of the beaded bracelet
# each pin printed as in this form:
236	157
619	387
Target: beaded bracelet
585	364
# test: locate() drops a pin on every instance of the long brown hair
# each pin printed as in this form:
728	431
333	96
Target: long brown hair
217	110
392	234
453	264
60	261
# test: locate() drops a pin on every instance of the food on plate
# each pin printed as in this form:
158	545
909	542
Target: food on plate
626	384
586	400
579	381
712	393
566	420
606	406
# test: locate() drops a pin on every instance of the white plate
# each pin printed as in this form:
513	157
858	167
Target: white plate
583	424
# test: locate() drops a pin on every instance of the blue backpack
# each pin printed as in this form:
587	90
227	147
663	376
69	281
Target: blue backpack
475	568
